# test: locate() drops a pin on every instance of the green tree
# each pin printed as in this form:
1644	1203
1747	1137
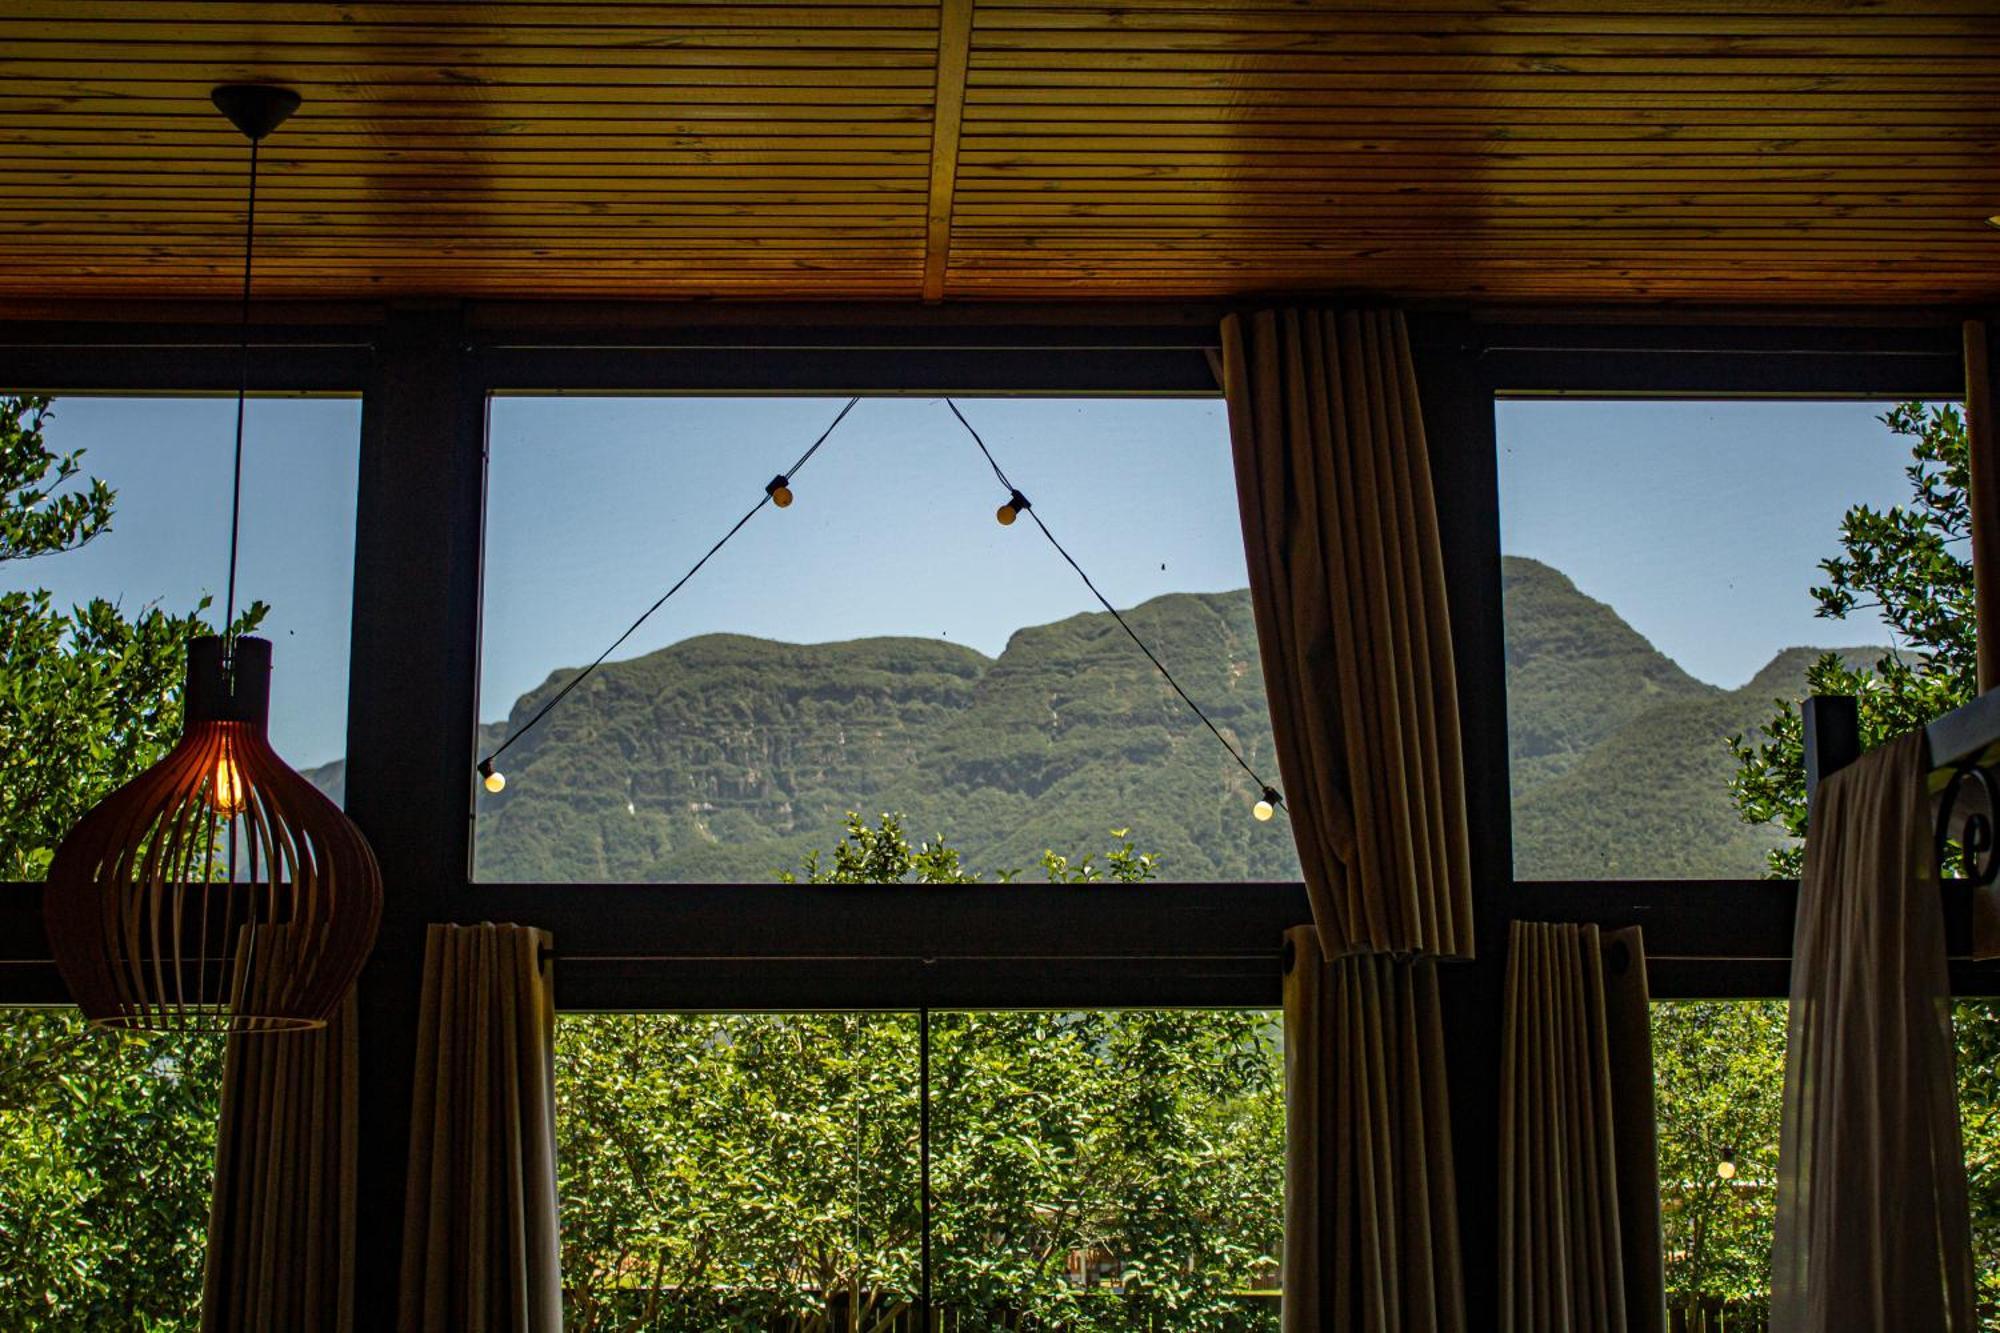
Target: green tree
106	1141
1719	1080
757	1171
1911	564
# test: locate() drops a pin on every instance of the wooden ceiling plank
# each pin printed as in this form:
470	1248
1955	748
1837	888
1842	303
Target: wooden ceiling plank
954	45
1448	11
1512	149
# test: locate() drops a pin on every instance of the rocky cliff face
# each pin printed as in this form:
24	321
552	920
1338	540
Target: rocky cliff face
728	758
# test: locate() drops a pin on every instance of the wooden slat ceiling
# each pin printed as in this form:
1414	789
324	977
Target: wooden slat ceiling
1561	150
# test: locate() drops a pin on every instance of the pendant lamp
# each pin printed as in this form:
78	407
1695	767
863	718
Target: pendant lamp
219	890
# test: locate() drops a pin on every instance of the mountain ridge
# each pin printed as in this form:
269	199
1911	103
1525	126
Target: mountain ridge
728	757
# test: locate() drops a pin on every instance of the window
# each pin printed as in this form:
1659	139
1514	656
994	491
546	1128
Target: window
1719	1073
1109	1170
1658	565
880	646
166	547
107	1157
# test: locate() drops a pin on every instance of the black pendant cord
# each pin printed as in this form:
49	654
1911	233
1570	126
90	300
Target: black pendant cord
1019	501
486	764
924	1163
242	394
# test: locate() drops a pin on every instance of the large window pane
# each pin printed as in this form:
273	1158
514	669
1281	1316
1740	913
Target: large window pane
1110	1170
880	646
736	1171
168	462
1659	561
107	1157
1118	1172
1719	1069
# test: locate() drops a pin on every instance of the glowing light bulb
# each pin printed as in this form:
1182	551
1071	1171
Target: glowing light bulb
1268	806
780	491
1007	513
491	778
225	793
1726	1168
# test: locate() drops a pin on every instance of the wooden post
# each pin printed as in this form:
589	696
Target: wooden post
1982	431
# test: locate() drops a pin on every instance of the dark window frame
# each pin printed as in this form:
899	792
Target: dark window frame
426	374
1723	938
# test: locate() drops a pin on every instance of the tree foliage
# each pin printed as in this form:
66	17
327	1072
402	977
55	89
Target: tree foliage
106	1141
1911	564
1091	1171
89	697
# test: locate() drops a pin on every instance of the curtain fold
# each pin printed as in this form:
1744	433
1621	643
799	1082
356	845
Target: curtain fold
281	1220
480	1221
1579	1171
1872	1228
1347	581
1371	1227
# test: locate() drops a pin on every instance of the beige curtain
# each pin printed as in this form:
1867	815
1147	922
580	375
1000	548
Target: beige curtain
281	1220
1347	579
1871	1226
1579	1169
479	1225
1371	1228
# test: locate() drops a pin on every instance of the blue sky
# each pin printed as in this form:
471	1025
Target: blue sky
169	461
1701	523
595	506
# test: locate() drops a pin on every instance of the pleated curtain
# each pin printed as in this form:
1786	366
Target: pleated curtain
480	1221
1371	1227
1580	1247
1872	1227
1347	585
281	1219
1347	581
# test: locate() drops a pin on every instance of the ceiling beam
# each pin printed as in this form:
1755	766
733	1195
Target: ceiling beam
954	50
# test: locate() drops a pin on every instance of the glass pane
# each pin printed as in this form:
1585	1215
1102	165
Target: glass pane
1658	572
1103	1171
128	554
882	645
737	1171
1976	1025
1719	1071
1110	1171
107	1157
166	547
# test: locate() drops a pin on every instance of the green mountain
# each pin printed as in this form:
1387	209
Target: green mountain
729	758
723	757
1621	764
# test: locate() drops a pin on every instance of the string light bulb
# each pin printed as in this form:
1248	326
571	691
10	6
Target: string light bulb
1267	806
779	488
492	778
1726	1168
1016	505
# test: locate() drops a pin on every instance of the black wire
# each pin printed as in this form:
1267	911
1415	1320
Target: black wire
1105	602
242	392
681	582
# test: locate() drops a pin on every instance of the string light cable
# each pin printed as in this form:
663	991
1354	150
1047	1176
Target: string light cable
1016	504
777	492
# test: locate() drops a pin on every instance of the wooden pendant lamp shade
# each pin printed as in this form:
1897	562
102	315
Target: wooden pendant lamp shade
218	890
